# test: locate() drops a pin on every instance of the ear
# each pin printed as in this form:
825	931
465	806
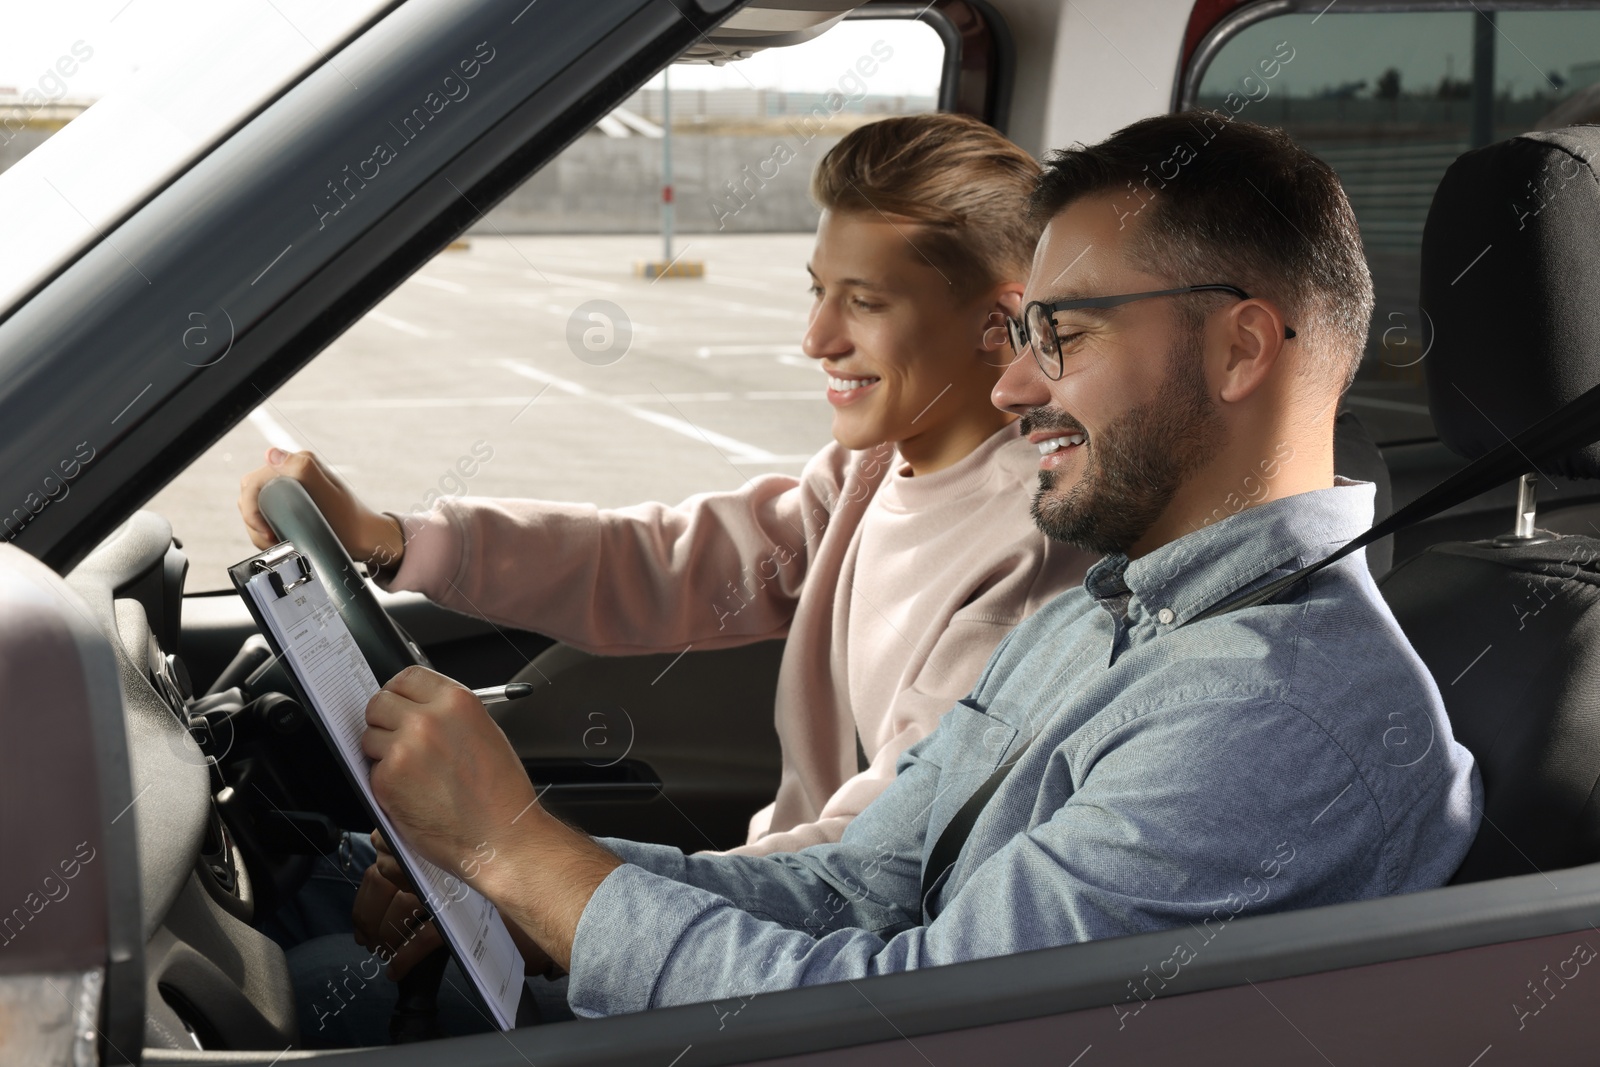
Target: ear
1008	297
1253	331
1005	301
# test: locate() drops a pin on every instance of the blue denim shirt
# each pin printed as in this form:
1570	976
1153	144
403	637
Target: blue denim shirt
1276	757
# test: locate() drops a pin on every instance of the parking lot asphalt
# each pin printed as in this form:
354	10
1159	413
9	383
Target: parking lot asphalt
541	367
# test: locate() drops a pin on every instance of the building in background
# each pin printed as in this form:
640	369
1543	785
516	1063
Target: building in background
26	123
742	160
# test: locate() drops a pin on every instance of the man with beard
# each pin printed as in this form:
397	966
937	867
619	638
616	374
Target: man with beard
1114	770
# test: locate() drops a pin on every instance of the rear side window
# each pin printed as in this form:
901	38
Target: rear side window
1390	99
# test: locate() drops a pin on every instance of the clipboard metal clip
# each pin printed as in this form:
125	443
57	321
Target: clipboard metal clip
270	561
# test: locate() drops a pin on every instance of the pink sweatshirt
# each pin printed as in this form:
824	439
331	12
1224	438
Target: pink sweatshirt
891	590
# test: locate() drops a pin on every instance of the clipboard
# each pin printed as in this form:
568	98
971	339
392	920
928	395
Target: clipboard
333	682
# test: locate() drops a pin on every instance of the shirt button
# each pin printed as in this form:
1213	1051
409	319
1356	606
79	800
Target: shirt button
1165	616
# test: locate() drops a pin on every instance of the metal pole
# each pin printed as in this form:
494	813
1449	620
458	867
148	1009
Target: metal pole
1483	33
666	171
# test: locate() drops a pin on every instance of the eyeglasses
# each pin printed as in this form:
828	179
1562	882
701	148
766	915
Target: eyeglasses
1038	323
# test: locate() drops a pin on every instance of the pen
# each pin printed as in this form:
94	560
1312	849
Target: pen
496	693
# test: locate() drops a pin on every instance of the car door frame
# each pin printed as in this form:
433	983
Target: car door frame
221	236
311	304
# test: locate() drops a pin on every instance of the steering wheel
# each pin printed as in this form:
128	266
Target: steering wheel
295	517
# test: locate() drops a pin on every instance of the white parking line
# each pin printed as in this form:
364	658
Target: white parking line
439	283
542	303
584	283
398	324
716	398
273	431
731	447
708	351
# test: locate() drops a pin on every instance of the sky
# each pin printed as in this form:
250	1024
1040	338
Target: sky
119	35
124	34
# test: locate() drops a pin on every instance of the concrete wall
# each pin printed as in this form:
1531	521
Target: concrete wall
728	183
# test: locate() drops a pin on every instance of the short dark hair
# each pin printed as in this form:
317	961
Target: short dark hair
1217	199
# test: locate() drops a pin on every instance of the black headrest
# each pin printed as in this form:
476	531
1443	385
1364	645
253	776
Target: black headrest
1511	287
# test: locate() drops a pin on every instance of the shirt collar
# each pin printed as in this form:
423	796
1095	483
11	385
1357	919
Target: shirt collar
1213	563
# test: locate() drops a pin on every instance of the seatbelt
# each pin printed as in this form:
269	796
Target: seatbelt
1571	426
954	836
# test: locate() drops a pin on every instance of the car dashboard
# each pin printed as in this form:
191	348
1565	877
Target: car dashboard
208	972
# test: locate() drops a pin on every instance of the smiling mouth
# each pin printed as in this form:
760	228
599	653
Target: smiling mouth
1051	445
849	385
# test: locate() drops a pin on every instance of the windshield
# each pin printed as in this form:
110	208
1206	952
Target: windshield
162	81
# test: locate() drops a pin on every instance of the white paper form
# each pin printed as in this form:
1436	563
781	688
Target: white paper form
339	683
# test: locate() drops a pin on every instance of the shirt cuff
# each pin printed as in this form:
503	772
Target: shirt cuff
664	860
612	974
432	557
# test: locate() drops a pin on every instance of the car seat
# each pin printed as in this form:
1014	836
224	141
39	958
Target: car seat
1510	626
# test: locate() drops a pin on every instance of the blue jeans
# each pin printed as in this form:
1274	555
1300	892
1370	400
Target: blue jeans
325	903
341	996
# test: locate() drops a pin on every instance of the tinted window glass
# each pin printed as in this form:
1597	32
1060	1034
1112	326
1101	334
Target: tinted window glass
1389	99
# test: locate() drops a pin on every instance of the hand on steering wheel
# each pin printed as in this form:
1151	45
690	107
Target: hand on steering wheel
367	535
280	496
